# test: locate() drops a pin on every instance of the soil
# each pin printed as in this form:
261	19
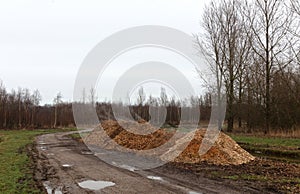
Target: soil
266	175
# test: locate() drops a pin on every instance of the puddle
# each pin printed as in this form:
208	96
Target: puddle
194	192
157	178
130	168
87	153
95	185
124	166
42	143
50	154
50	190
63	150
67	165
43	148
99	154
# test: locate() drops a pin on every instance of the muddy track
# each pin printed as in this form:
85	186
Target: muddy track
62	163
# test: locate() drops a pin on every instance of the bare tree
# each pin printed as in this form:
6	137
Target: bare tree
92	96
163	97
210	44
19	96
227	44
141	96
269	22
36	99
83	96
3	102
56	101
295	4
27	104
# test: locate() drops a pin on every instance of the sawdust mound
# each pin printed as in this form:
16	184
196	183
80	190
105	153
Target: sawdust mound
225	151
125	138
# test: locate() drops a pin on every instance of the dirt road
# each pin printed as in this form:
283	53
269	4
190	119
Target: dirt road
63	165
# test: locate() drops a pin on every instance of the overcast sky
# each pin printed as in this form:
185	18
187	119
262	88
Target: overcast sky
43	42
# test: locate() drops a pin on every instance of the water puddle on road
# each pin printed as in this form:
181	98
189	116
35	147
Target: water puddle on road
43	148
157	178
194	192
65	150
67	165
87	153
130	168
95	185
99	154
124	166
42	143
51	190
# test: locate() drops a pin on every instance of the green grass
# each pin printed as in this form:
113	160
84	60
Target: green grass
283	149
270	141
78	136
231	177
15	172
250	177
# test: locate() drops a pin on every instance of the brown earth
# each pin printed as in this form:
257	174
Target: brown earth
266	175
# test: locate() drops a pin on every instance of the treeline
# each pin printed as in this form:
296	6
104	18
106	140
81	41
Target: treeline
163	109
249	111
21	109
253	49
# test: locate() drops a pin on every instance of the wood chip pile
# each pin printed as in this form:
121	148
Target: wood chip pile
225	151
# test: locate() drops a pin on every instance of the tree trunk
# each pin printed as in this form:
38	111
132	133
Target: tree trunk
230	119
20	116
5	119
55	117
32	117
267	50
239	104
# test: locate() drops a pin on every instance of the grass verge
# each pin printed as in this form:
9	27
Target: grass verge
16	174
283	149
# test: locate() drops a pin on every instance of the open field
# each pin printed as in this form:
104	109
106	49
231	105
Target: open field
16	173
276	148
